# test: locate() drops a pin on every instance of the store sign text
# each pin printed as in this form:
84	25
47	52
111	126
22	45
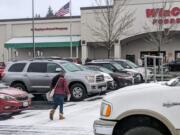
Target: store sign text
49	29
162	16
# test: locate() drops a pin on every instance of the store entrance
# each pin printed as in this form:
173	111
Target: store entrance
131	58
177	55
153	53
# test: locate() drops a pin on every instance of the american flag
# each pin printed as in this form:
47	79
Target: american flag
64	10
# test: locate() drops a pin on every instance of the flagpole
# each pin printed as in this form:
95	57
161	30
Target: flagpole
70	29
34	51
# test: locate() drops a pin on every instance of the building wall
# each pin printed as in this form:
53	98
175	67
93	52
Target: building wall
98	52
136	46
60	52
81	26
139	8
23	28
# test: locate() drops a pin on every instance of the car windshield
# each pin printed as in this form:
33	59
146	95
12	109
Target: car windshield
117	66
105	70
83	67
128	64
2	86
91	68
71	67
173	82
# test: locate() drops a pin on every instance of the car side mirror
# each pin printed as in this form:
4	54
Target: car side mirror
58	70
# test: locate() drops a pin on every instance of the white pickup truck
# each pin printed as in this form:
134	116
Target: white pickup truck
145	109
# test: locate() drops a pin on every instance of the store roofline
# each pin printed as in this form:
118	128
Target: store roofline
96	7
42	18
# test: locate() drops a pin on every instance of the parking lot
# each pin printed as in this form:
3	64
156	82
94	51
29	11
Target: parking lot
88	84
79	119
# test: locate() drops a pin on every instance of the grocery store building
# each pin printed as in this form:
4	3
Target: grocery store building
52	35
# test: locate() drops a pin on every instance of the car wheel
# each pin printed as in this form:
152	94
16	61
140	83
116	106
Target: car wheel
143	131
141	126
19	86
78	92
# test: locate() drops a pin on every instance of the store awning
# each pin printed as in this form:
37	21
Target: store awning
43	42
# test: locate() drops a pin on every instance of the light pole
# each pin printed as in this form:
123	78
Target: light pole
34	48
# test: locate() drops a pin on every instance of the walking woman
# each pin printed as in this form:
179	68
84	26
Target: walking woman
61	89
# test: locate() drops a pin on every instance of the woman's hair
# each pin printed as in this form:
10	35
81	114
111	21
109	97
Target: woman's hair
61	75
55	79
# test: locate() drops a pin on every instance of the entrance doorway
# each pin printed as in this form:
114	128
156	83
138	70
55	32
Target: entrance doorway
153	53
131	58
177	55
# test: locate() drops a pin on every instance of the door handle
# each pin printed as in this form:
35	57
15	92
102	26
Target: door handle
46	75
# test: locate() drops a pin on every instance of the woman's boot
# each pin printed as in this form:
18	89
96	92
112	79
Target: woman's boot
51	114
61	117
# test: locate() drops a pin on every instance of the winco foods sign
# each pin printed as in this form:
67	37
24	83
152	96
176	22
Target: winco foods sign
163	16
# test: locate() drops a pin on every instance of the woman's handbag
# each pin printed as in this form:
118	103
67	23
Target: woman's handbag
51	94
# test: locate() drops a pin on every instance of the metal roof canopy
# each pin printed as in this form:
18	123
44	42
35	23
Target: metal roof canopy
42	42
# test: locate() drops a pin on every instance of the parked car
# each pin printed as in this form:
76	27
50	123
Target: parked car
128	65
13	100
35	76
120	79
107	78
145	109
115	67
174	66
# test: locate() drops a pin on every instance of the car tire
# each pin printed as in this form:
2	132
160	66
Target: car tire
78	92
142	131
141	126
19	86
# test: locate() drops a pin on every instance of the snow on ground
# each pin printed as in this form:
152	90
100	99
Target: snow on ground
79	121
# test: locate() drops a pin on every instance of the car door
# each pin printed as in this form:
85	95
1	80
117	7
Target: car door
38	76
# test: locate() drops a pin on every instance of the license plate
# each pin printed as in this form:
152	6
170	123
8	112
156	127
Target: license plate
25	104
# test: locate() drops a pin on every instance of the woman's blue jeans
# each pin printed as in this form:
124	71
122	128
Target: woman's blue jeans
58	101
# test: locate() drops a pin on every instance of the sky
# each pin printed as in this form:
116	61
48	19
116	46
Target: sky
10	9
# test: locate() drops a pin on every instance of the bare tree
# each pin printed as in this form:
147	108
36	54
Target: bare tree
113	20
160	26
